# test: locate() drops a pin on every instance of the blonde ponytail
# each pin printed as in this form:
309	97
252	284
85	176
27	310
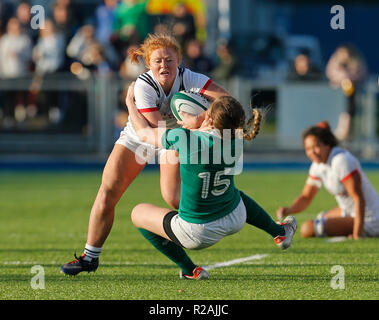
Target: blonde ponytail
251	130
227	113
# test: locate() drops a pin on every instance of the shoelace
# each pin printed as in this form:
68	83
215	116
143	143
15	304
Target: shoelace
77	259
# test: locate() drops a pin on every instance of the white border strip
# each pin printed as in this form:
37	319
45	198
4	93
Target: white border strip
235	261
336	239
213	266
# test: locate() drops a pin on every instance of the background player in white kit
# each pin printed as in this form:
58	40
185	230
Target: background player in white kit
357	214
153	91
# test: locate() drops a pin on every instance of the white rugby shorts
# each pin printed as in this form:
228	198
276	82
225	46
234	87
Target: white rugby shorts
371	226
145	152
199	236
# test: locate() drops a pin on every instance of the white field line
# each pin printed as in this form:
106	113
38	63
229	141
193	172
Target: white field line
336	239
235	261
247	260
213	266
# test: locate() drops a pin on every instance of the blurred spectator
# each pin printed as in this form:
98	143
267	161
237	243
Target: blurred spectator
130	70
48	54
15	60
64	24
346	69
15	51
303	68
182	24
94	58
160	28
195	59
81	41
84	48
346	63
104	16
71	9
226	65
24	16
131	24
6	11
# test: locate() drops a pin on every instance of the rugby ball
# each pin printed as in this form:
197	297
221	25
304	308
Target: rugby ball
188	101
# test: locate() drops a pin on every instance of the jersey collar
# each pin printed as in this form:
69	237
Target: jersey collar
333	152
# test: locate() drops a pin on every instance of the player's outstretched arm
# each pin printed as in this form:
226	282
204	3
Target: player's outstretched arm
353	186
300	203
215	91
142	127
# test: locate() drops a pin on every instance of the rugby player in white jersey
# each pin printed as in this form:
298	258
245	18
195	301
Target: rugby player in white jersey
153	91
357	213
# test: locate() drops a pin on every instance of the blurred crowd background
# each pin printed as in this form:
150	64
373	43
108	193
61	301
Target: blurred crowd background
84	40
95	33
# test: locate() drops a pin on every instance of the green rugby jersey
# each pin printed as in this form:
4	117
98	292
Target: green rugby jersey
206	169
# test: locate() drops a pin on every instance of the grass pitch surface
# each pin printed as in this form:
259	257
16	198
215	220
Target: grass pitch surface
44	219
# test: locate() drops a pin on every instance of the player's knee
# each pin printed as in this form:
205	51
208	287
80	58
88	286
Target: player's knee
136	215
307	229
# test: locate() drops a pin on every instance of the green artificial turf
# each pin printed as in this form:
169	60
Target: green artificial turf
44	219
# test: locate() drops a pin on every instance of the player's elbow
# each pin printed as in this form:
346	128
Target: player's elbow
171	199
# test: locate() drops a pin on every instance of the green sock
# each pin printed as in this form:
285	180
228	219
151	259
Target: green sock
171	250
259	218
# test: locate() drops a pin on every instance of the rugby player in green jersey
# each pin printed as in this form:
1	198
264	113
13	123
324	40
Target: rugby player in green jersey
211	207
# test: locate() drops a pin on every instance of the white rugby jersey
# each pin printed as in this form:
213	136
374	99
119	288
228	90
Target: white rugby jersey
340	166
149	95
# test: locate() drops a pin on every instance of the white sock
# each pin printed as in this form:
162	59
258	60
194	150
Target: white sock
91	252
319	227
